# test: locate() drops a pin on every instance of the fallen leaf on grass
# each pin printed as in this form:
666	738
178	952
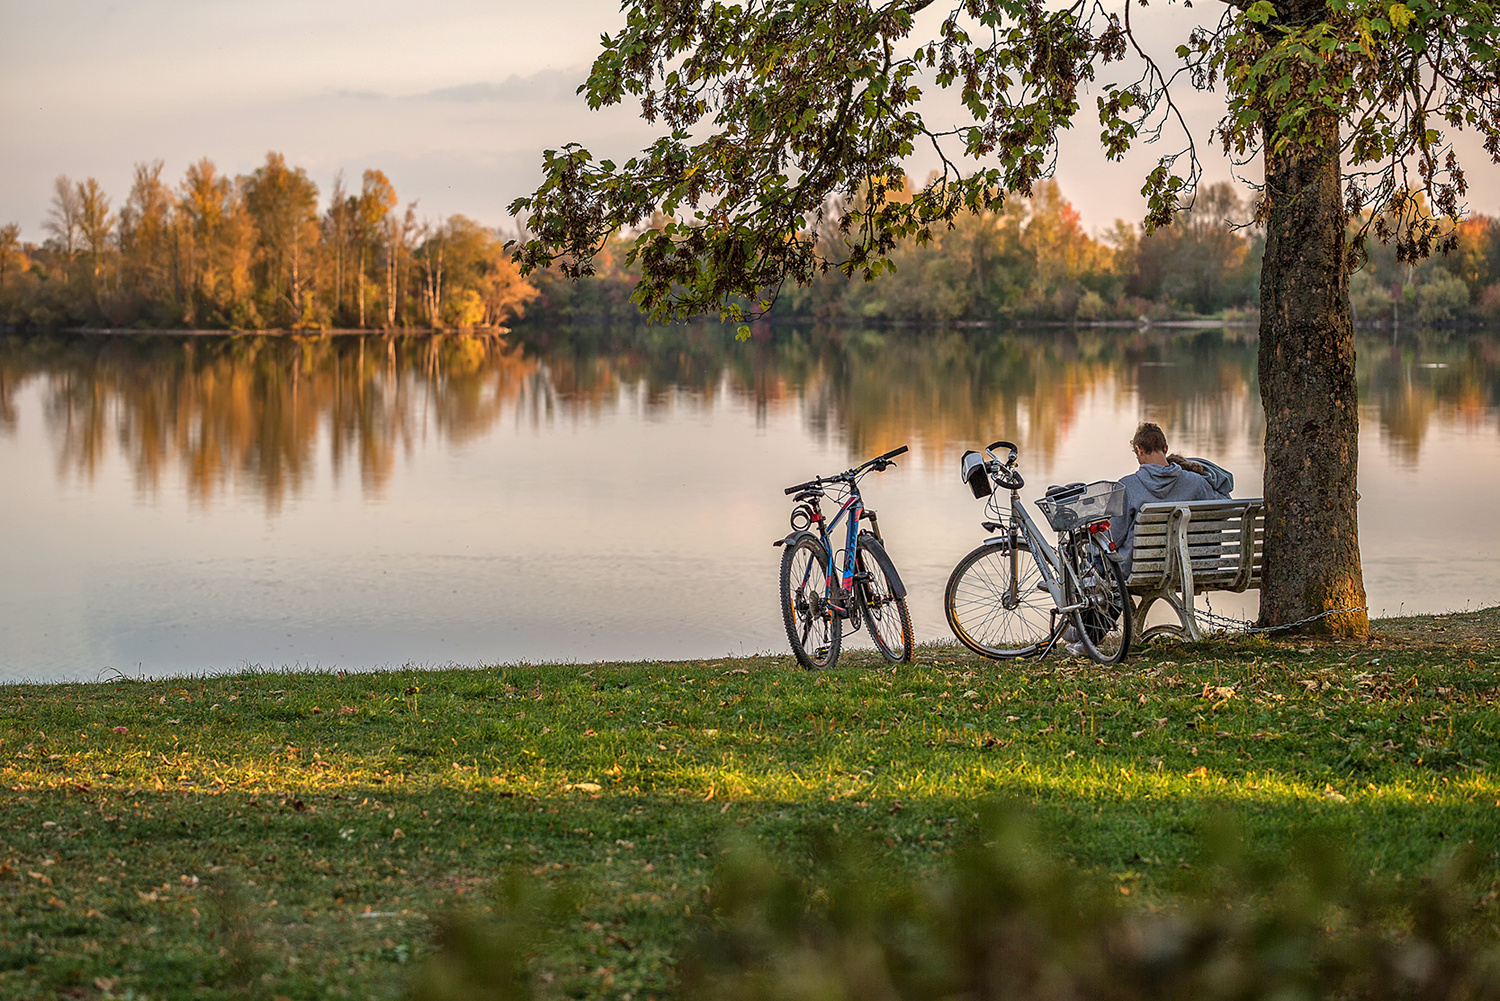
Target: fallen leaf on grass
347	710
122	729
737	670
583	786
1201	772
1329	792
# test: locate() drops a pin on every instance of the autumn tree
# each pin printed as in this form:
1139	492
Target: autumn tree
372	217
63	215
148	242
12	260
96	228
770	107
467	276
1063	252
218	239
1206	259
340	231
283	202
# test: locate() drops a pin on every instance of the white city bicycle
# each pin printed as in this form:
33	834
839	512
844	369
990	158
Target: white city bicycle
1018	595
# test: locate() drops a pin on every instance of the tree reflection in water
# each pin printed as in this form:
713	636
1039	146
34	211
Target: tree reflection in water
251	412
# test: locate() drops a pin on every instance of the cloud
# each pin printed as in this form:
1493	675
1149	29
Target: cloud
546	86
549	85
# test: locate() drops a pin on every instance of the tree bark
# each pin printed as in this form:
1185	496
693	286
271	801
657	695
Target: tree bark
1308	390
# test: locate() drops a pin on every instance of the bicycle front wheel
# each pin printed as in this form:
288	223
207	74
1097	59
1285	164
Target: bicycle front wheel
812	625
885	614
1104	625
997	603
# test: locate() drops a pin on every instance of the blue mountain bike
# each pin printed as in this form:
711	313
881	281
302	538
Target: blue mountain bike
825	588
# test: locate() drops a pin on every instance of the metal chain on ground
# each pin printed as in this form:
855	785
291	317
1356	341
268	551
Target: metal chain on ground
1229	624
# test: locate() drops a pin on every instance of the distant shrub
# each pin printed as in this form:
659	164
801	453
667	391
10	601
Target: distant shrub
1441	298
1489	302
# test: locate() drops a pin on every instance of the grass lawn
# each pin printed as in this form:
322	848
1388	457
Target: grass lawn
294	835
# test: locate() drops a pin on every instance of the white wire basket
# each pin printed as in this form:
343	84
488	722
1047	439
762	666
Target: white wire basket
1079	506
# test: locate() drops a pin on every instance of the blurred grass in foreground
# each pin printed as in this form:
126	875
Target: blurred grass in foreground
1003	920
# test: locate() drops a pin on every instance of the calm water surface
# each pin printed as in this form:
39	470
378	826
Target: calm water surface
202	504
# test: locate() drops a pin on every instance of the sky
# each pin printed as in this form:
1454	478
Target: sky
454	100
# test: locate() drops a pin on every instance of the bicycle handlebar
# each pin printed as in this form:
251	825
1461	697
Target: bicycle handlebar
849	475
1014	451
1005	472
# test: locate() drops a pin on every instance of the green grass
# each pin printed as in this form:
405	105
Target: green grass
295	835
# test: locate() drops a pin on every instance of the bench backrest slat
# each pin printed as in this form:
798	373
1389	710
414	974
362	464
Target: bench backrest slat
1220	539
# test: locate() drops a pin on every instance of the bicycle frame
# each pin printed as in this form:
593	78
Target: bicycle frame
1057	573
852	511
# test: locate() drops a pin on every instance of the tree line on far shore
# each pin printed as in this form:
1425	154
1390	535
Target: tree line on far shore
256	252
253	252
1032	260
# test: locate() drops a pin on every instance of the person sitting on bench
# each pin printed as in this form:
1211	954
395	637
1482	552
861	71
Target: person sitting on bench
1160	478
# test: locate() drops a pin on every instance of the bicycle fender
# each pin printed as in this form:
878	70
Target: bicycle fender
792	538
898	587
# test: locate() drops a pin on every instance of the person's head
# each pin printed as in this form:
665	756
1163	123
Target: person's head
1149	444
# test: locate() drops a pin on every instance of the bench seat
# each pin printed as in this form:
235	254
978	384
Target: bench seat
1183	548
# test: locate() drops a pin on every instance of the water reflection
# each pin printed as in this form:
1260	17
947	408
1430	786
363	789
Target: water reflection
252	411
1408	385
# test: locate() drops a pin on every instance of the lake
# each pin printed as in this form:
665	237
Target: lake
201	504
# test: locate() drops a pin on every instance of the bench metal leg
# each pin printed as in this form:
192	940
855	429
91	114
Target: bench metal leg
1186	628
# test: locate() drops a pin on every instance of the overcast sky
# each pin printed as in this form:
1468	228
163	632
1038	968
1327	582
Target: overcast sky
453	99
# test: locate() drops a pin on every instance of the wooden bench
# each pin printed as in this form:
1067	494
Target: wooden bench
1184	548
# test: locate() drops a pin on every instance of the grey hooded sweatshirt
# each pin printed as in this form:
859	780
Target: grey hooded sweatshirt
1147	485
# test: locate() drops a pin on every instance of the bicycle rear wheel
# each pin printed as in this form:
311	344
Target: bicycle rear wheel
812	625
1104	626
886	615
996	602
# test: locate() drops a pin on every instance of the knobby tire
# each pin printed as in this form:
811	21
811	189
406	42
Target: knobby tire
813	630
886	616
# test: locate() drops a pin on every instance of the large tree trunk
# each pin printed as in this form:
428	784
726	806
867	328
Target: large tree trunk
1308	390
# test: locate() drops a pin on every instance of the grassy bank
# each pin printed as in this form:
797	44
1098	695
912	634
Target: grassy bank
294	834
